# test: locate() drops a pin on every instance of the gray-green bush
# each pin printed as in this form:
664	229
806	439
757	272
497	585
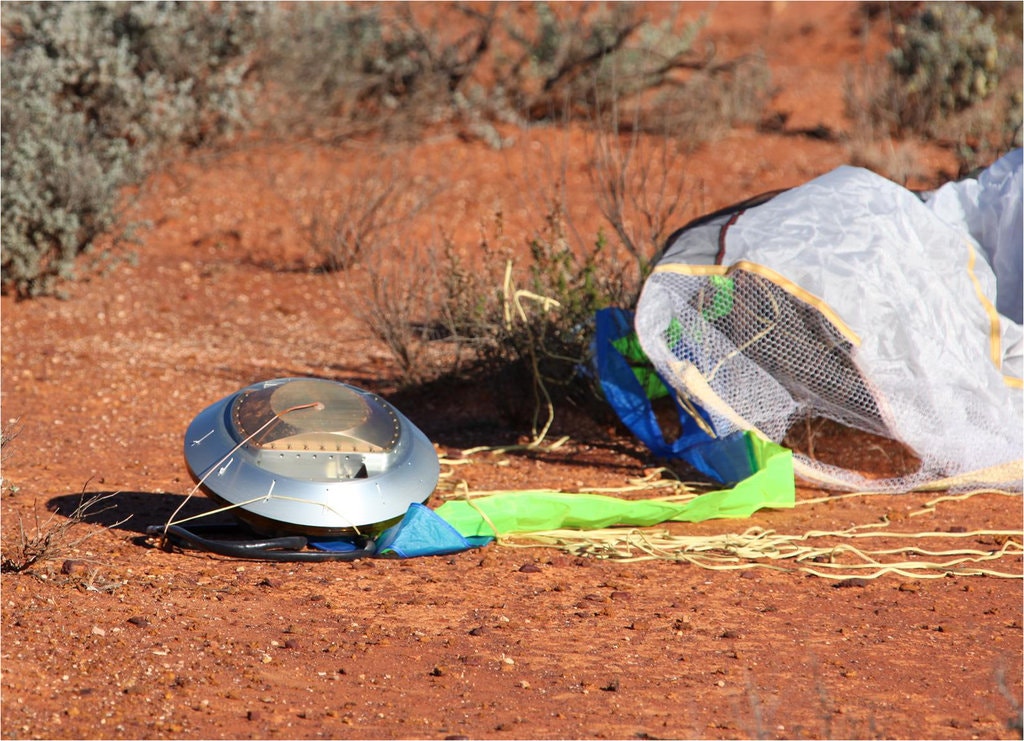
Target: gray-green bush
947	59
334	70
94	91
91	92
953	75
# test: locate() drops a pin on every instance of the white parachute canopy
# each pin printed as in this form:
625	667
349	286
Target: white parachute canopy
857	300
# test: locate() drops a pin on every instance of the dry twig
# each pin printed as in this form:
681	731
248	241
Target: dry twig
51	539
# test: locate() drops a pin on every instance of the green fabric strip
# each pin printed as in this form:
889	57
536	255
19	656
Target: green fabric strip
544	509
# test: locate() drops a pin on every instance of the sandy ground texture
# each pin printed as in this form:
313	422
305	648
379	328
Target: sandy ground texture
115	638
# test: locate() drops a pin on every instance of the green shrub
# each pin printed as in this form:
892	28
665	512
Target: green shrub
61	184
517	322
572	59
953	76
335	70
92	91
947	59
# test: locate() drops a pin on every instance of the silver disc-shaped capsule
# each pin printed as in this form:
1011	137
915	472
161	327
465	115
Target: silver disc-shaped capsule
310	456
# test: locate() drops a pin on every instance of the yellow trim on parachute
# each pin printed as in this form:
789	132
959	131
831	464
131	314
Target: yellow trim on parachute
995	348
781	281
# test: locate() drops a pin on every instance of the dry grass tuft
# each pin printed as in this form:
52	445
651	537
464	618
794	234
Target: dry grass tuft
52	539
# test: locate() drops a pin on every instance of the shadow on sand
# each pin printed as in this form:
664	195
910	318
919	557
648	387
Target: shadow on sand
134	511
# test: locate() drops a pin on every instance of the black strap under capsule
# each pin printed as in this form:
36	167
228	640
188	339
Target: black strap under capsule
285	548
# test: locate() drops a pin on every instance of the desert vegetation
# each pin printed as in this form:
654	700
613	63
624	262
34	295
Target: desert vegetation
953	75
99	95
290	178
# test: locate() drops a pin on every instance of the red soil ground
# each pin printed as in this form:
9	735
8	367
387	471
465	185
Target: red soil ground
118	639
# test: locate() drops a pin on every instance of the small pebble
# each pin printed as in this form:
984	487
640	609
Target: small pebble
851	582
73	567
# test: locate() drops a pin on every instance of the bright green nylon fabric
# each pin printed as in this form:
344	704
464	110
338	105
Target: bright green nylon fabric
650	381
533	511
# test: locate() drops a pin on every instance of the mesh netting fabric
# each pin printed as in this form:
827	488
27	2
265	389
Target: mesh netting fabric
768	364
848	300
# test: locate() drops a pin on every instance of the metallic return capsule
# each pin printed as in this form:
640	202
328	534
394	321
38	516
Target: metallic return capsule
310	456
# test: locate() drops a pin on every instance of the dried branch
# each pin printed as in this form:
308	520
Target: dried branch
52	539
